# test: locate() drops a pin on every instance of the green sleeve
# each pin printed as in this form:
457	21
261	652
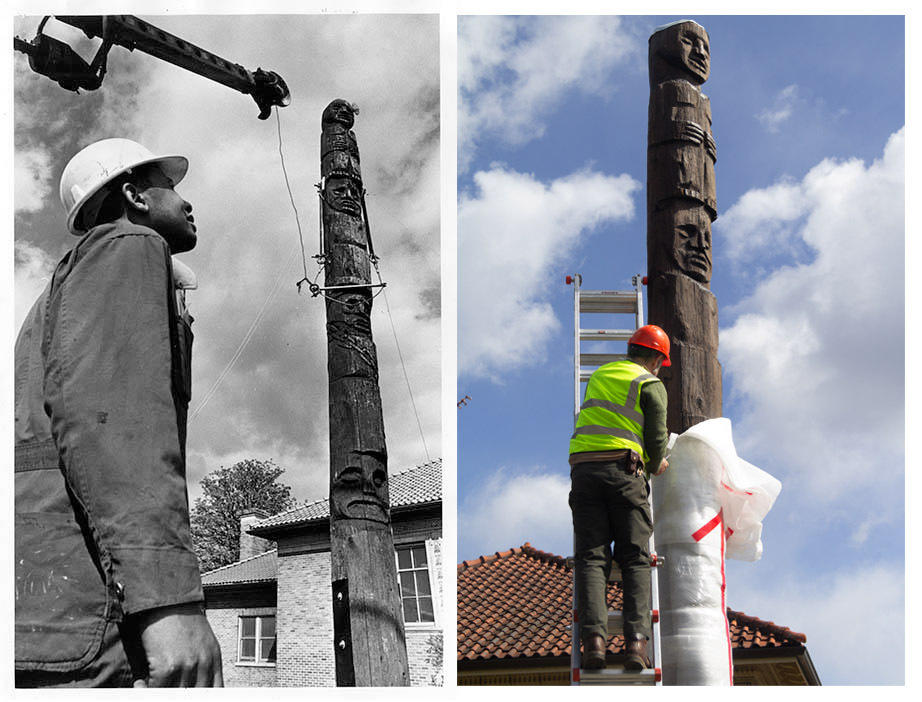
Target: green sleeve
655	436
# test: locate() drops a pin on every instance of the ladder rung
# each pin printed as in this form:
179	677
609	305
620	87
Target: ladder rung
610	301
599	359
619	676
605	334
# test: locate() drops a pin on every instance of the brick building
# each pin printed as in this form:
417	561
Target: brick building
272	609
514	610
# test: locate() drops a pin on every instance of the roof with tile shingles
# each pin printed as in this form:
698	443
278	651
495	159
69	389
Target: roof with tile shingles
517	604
411	488
257	569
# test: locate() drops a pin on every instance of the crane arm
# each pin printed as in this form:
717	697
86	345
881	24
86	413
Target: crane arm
58	61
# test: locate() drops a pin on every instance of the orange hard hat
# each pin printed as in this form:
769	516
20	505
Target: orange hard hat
654	338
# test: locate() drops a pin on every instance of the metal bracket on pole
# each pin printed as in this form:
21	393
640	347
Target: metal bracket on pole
317	289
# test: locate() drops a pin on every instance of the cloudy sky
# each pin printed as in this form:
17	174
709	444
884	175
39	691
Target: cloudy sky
259	363
808	272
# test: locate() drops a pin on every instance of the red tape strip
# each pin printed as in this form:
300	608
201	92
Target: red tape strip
708	528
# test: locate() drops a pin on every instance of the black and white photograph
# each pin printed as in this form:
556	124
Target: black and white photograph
261	507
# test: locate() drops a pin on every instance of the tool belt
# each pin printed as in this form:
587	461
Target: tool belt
628	459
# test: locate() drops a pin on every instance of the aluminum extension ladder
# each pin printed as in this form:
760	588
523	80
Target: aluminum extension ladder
610	302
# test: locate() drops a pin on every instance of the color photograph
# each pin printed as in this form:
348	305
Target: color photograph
744	176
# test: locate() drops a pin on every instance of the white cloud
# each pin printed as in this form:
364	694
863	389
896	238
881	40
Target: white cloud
781	109
33	270
760	220
816	352
513	70
511	232
513	507
32	174
853	620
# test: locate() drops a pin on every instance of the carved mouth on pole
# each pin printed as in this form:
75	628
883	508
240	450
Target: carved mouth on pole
700	64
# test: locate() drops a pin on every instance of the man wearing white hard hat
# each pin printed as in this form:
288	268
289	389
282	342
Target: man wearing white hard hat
108	591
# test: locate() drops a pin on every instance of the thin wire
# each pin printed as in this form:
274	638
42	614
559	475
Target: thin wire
405	375
291	197
240	347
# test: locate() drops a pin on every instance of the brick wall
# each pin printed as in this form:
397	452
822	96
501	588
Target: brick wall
305	622
424	651
223	622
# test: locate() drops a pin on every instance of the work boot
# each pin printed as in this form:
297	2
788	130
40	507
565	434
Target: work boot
593	652
636	651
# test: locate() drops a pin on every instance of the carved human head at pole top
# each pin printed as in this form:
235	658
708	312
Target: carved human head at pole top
359	490
686	238
680	50
340	112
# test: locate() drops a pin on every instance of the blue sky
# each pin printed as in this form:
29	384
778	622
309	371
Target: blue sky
808	272
259	362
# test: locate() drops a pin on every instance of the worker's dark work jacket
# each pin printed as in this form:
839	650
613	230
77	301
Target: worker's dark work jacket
102	390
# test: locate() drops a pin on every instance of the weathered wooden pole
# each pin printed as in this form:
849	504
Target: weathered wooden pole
681	204
368	632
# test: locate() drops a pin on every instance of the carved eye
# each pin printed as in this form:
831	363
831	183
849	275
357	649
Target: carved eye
350	476
379	477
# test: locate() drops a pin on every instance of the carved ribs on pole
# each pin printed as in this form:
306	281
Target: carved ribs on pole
681	204
369	639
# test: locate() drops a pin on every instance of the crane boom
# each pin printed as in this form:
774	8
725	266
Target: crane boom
57	60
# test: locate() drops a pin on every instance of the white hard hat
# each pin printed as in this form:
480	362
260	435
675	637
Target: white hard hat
99	163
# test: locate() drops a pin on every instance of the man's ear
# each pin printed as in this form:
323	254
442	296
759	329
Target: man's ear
134	198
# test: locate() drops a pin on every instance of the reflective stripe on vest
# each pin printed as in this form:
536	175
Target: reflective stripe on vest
619	425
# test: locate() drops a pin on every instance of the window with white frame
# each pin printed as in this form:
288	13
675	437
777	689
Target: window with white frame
256	642
415	589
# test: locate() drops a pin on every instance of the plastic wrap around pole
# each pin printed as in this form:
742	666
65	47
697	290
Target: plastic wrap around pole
707	496
692	589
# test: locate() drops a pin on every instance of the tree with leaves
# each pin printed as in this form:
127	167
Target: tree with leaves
215	516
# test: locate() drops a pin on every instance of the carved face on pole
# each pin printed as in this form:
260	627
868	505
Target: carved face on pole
339	112
360	490
692	231
686	46
356	311
342	194
686	228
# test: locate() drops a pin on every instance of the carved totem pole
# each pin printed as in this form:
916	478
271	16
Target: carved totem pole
368	633
681	204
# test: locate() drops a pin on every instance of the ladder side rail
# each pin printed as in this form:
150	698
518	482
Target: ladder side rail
575	655
638	288
654	599
577	280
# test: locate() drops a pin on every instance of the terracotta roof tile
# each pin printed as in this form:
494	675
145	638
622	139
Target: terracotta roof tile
517	604
410	488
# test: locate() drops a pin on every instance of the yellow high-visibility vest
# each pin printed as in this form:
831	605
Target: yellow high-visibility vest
610	417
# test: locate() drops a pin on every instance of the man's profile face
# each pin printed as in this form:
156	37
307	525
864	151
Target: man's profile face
688	48
169	214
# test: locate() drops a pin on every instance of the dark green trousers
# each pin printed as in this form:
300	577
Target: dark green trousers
610	504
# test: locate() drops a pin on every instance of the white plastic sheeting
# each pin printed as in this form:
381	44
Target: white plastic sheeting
708	506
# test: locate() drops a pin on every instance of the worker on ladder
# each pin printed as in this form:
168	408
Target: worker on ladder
619	441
